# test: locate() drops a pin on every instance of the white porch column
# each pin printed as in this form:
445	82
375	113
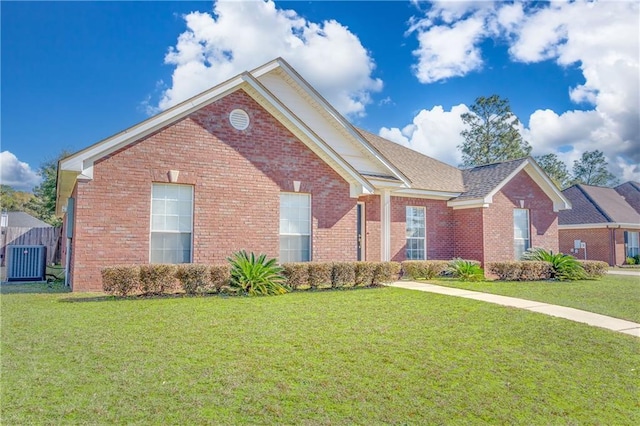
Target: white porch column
385	225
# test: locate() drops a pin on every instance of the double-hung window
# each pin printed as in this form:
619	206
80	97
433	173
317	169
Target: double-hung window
416	233
171	223
521	233
632	243
295	227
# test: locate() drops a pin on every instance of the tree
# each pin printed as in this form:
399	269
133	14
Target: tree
492	134
555	168
591	169
14	201
44	202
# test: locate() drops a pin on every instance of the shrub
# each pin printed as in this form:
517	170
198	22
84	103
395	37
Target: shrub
563	266
220	276
594	268
256	275
319	274
637	258
630	261
465	270
423	269
157	278
194	278
385	272
530	270
120	280
342	274
363	273
296	274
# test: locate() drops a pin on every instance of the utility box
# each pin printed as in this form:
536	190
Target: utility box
26	263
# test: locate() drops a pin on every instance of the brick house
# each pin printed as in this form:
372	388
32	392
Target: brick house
603	220
263	163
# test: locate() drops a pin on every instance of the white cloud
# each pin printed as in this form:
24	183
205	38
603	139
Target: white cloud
433	132
599	37
16	173
241	35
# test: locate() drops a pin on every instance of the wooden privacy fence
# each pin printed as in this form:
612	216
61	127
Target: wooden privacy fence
50	237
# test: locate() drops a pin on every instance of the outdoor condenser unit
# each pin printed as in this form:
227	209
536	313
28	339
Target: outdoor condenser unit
26	263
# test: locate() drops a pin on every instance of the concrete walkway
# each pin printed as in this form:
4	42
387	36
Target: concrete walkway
572	314
632	272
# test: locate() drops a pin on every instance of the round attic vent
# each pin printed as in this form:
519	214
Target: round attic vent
239	119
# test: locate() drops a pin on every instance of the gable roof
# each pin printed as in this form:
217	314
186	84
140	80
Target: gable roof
631	193
483	182
24	220
80	164
596	205
367	161
425	173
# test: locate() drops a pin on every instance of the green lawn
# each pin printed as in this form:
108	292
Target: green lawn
375	356
614	295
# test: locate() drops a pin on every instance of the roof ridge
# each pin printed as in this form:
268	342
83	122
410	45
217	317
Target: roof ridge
497	162
406	147
593	202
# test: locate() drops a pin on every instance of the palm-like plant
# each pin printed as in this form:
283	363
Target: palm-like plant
465	270
256	275
563	266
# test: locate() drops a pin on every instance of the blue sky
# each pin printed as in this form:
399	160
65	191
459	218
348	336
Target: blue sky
74	73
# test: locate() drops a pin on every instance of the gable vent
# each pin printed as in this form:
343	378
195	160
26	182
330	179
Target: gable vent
239	119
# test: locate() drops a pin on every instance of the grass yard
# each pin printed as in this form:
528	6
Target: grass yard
375	356
614	295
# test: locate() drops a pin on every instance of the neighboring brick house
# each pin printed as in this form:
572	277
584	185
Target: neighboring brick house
603	221
263	163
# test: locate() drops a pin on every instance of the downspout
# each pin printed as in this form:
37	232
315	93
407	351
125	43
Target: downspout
67	262
613	244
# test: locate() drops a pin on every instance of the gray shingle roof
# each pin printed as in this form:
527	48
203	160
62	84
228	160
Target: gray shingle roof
25	220
631	193
424	172
595	204
480	181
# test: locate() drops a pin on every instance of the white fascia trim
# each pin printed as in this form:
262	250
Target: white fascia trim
605	225
469	204
560	202
421	193
279	62
325	148
82	161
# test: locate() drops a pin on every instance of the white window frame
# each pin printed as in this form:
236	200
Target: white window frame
286	225
181	227
527	241
632	247
422	241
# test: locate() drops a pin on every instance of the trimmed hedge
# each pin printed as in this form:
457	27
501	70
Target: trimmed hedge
320	274
296	274
157	278
199	279
194	278
121	280
343	274
594	268
423	269
220	277
521	270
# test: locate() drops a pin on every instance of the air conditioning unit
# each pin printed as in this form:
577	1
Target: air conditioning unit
26	263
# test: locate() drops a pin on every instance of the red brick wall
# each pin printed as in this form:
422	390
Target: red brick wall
439	223
237	178
372	226
498	219
603	244
468	234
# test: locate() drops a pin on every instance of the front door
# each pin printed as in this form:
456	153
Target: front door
360	231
